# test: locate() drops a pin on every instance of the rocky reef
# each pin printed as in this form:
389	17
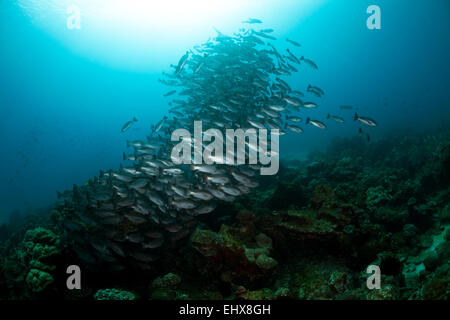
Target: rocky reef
308	233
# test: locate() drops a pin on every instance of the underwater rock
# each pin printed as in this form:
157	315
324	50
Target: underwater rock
114	294
438	286
206	242
283	293
307	224
386	292
288	193
445	161
265	262
262	294
413	275
234	253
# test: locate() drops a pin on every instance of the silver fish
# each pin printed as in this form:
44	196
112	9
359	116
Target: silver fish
316	123
128	124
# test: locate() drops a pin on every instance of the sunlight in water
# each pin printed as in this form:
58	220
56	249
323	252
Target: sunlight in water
143	34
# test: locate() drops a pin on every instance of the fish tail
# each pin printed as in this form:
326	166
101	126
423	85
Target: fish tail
307	120
124	156
360	130
134	119
328	116
356	116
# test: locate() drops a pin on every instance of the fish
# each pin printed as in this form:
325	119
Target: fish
294	118
295	43
309	105
294	128
366	120
229	81
316	123
346	107
252	21
293	101
128	124
315	89
336	118
171	92
182	63
309	62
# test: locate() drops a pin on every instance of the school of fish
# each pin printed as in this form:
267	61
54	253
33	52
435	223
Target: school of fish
131	216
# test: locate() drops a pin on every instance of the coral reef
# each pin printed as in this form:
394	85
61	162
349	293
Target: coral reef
114	294
309	233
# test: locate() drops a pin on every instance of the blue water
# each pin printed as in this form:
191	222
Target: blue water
63	101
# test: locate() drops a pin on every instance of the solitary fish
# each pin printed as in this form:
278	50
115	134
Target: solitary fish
295	43
170	93
252	21
346	107
127	125
316	123
367	121
309	62
315	88
336	118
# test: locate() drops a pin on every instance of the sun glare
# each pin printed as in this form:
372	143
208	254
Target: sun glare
133	34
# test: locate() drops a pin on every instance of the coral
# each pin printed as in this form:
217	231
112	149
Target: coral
170	280
38	280
233	251
265	262
306	234
114	294
376	196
